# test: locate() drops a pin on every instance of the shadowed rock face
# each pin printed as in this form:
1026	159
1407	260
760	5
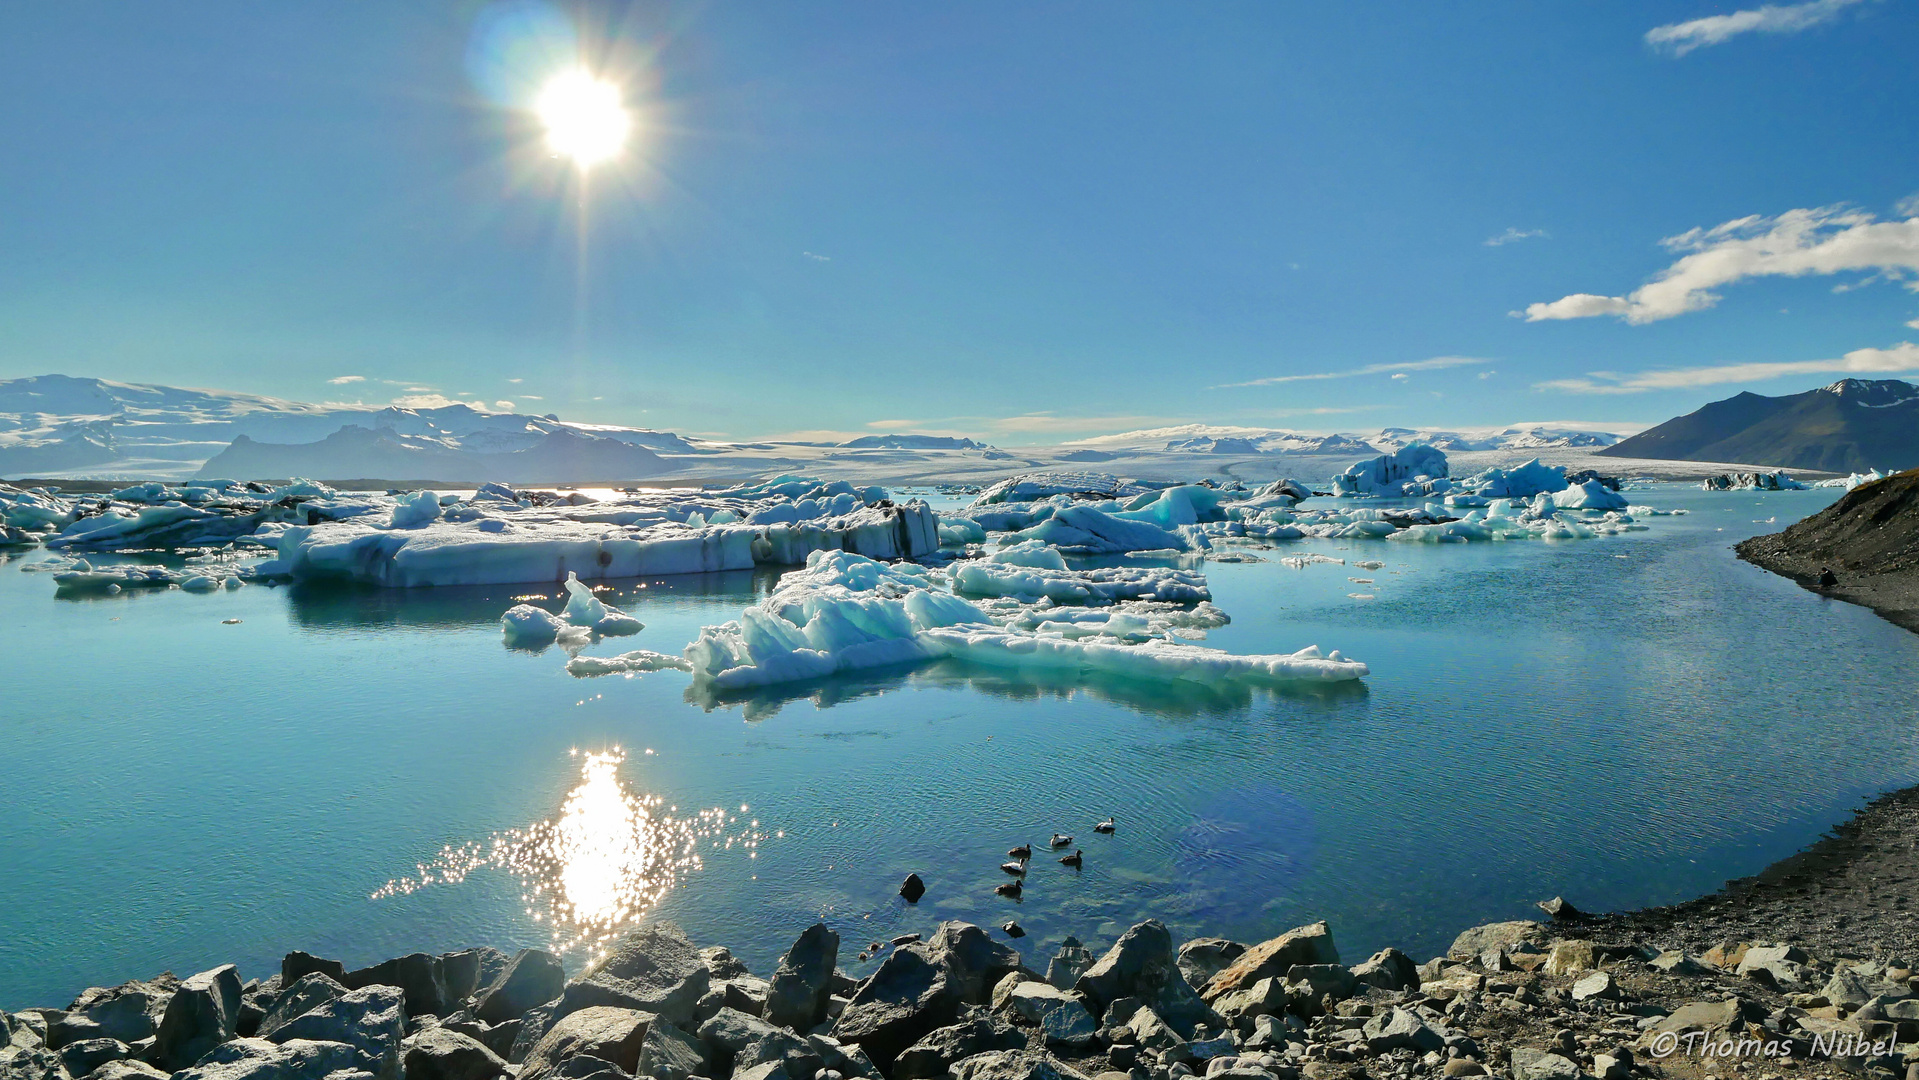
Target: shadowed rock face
1869	539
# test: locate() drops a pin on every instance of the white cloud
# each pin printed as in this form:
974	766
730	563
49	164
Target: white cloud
1402	375
1433	364
1487	374
432	401
503	406
817	258
1514	235
516	380
1914	323
345	379
1682	38
1899	358
532	397
1908	206
1797	243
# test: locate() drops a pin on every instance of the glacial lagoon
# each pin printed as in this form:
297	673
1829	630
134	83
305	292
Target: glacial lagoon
1629	720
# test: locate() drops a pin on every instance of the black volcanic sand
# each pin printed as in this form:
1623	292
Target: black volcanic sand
1870	540
1851	893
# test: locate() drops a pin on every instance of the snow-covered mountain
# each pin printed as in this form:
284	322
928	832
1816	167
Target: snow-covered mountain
58	425
1215	439
1522	437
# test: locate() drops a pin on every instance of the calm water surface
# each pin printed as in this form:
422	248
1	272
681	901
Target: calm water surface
1626	721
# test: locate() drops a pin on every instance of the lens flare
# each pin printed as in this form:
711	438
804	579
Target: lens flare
609	857
584	117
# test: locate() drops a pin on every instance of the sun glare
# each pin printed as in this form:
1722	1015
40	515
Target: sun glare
584	117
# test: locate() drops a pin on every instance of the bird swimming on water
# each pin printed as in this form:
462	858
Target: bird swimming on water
1061	839
1104	826
1011	888
1072	860
1016	869
1024	851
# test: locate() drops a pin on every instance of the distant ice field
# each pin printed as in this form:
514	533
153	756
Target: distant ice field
1626	721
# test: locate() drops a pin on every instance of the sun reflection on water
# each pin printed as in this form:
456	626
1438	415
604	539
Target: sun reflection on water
609	857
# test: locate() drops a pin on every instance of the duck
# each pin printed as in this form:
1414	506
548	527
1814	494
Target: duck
1061	839
1104	826
1014	868
1827	579
1024	851
1011	888
1072	860
1013	929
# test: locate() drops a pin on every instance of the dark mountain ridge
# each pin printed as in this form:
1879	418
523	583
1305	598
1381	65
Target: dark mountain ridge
1850	426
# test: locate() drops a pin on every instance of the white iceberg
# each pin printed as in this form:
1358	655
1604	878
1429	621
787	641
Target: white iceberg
1591	495
1519	482
1417	469
585	610
636	662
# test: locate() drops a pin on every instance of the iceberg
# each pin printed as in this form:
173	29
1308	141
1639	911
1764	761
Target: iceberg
1079	586
583	609
1520	482
1852	481
1033	487
1089	530
636	662
415	510
847	613
1752	481
1416	469
1591	495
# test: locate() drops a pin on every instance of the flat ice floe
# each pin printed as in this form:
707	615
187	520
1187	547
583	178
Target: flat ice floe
848	613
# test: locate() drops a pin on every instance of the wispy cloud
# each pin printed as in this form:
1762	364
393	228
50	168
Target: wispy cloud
1434	364
1514	235
817	258
1797	243
503	406
343	380
1899	358
435	401
516	380
1678	39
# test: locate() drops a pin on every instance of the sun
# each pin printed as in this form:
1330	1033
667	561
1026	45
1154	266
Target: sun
584	117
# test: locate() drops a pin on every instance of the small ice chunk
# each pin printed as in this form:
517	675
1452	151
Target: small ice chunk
524	624
583	609
414	510
635	662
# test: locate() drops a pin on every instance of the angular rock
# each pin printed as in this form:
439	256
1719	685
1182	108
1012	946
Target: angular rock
1712	1017
1142	964
309	992
533	977
609	1034
463	973
653	969
421	979
297	964
371	1019
772	1070
203	1013
796	995
1073	960
1203	958
129	1069
439	1054
1597	985
977	962
1530	1064
1676	962
722	964
929	1058
31	1063
1401	1029
1062	1019
729	1032
1784	963
1321	980
1015	1065
667	1053
1570	956
912	888
1561	910
81	1058
1267	997
129	1012
1725	955
258	1059
1388	969
843	1059
1273	958
1148	1030
795	1055
1499	935
1846	988
588	1067
912	992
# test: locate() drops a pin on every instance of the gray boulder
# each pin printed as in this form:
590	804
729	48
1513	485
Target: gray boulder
1073	960
929	1058
31	1063
436	1053
729	1032
843	1059
1015	1065
129	1012
1677	962
1388	969
463	973
297	964
128	1069
653	969
722	964
1273	958
1203	958
1401	1029
667	1053
203	1013
533	977
976	961
308	993
81	1058
258	1059
22	1031
588	1067
1061	1017
421	979
795	1055
1848	989
1142	964
599	1031
913	991
371	1019
1500	935
1532	1064
796	995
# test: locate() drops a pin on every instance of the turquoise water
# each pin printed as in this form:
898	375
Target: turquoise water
1626	721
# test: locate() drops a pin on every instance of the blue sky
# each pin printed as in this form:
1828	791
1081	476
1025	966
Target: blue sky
1027	222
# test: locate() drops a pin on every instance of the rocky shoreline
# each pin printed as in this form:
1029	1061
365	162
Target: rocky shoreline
1703	989
1868	541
